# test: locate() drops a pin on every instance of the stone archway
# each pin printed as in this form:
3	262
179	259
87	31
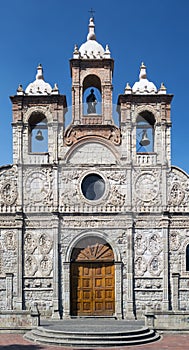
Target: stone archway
92	278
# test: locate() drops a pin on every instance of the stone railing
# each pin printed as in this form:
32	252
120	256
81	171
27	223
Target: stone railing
91	119
146	159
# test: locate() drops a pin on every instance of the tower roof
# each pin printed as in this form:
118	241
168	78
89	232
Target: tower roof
39	86
91	49
144	86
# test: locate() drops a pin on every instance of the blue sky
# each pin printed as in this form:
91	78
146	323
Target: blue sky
45	31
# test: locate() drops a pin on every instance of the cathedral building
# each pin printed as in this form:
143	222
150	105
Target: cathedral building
94	220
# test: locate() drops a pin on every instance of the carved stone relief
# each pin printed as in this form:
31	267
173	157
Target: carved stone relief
38	186
146	187
178	188
38	254
148	253
8	186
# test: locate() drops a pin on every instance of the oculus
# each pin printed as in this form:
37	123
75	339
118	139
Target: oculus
93	187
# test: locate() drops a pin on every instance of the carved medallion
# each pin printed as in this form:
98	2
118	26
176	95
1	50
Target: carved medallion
155	265
38	187
155	243
140	266
10	240
45	244
29	243
140	244
9	192
46	266
174	241
176	194
30	266
146	187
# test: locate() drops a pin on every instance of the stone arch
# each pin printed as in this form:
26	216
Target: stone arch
113	153
38	109
87	234
145	108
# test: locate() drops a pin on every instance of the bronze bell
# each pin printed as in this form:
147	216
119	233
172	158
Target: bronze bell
39	136
144	140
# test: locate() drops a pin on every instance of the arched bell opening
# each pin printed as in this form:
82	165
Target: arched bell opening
92	278
92	96
38	133
145	132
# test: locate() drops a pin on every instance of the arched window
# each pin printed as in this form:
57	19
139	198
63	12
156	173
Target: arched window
145	132
187	258
92	95
38	133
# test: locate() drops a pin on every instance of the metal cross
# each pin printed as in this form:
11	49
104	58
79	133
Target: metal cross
92	12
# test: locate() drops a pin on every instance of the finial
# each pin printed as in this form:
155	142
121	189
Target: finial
55	90
128	89
20	90
39	74
91	35
142	74
162	89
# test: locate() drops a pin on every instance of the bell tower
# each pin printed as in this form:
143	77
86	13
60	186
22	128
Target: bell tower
91	72
145	123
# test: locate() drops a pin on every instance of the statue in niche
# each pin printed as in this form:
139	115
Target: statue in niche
91	101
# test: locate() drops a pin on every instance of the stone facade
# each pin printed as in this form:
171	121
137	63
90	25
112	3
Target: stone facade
140	210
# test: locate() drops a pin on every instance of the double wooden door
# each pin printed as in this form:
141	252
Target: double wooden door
92	289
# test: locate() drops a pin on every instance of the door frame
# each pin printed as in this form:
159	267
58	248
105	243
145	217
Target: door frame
66	270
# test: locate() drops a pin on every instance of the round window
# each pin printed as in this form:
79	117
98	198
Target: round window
93	187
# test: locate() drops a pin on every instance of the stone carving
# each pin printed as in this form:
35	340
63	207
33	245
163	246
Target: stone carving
140	266
155	265
178	184
176	194
146	187
45	244
76	133
46	266
9	192
29	243
10	242
148	283
116	197
38	187
117	177
174	240
30	266
140	244
155	243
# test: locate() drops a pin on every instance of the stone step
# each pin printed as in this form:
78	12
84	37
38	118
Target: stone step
96	339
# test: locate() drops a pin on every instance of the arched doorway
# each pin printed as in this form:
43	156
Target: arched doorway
92	285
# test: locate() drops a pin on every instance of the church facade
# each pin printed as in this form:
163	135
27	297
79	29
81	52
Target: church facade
94	220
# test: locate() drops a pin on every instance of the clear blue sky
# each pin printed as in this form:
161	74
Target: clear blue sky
45	31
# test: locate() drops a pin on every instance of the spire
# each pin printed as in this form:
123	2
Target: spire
39	74
142	74
91	35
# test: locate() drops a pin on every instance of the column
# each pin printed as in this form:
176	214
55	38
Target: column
175	293
130	267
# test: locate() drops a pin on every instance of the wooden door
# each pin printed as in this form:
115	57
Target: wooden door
92	289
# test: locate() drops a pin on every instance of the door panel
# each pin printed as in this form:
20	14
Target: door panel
92	289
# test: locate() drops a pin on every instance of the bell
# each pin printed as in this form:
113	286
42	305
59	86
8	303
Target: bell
39	136
145	140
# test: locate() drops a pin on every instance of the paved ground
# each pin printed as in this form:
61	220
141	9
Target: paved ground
169	341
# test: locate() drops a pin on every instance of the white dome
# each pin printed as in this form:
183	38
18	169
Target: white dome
91	48
39	86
